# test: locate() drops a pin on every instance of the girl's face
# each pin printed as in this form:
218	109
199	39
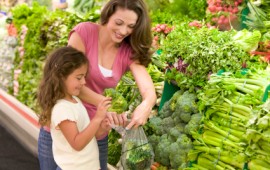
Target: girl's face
121	24
75	81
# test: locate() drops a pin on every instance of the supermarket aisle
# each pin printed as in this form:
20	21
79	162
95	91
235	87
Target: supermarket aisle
13	156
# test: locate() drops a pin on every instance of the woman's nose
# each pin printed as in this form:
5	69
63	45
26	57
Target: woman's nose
124	30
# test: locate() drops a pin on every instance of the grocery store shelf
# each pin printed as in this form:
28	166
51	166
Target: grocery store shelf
20	121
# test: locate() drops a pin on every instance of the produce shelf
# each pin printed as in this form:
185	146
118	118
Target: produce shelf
20	121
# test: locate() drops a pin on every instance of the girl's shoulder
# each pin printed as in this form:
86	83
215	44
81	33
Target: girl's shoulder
77	99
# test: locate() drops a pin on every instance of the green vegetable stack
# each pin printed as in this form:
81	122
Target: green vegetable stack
171	130
235	128
119	103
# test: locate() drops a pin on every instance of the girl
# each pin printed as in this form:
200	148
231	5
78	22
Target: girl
74	143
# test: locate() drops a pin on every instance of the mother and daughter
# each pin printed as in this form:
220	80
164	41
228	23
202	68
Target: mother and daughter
74	117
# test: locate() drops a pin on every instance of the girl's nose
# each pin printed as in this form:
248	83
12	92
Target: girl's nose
83	81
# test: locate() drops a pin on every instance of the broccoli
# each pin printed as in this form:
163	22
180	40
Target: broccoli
177	156
165	110
171	144
176	118
193	124
185	117
177	130
119	103
163	150
167	123
174	98
184	142
155	124
137	156
186	102
153	140
161	126
185	107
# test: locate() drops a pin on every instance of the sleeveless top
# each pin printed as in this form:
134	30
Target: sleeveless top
95	80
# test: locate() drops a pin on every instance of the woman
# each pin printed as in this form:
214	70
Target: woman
121	42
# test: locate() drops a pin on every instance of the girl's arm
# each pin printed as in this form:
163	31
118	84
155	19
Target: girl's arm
78	140
147	91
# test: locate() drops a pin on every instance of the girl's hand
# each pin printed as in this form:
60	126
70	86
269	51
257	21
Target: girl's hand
105	125
103	107
140	115
104	128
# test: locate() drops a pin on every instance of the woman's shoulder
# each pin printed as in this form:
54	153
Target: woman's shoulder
86	25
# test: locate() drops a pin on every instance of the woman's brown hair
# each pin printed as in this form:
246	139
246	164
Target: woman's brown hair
61	63
141	37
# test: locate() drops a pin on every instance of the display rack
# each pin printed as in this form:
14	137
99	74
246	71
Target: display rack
20	121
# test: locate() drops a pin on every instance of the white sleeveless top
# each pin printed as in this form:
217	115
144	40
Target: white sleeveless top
106	72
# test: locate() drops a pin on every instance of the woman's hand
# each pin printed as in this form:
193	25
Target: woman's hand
148	93
140	115
117	119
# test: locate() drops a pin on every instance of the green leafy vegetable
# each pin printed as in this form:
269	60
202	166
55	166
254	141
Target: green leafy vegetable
119	103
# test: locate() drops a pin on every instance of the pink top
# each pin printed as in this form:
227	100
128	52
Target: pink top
95	80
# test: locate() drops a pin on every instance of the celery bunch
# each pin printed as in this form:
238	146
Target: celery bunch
235	128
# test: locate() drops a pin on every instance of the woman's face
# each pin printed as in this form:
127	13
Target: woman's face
121	24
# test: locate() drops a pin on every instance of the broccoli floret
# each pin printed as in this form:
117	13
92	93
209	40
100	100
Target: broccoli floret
185	117
176	131
165	110
185	143
193	124
119	103
155	124
167	123
185	107
177	156
174	98
154	140
163	150
186	103
181	116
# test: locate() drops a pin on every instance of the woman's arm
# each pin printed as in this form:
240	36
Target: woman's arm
147	91
86	94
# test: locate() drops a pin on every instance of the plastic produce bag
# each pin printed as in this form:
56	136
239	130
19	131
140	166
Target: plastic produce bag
137	152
